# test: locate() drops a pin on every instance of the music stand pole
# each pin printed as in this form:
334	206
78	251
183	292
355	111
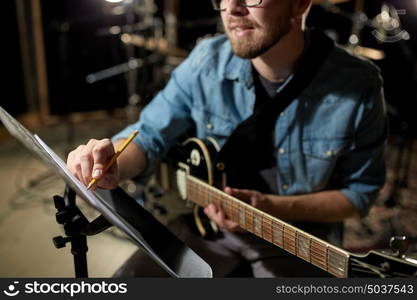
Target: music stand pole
77	228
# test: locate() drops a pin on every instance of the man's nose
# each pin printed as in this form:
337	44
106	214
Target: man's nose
235	7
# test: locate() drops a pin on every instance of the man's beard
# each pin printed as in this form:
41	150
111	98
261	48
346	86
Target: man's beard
252	46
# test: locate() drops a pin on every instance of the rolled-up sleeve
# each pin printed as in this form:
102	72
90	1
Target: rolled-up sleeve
361	172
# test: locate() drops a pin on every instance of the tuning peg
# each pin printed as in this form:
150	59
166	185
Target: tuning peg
399	245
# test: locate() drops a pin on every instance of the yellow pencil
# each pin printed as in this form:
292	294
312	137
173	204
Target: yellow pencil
114	158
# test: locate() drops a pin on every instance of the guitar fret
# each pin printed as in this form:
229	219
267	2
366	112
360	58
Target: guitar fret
303	246
217	200
267	228
220	204
225	206
336	263
289	240
318	254
230	208
318	260
242	217
257	224
249	219
234	216
277	234
210	194
319	246
194	192
315	255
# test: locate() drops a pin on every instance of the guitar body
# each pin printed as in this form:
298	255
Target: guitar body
199	156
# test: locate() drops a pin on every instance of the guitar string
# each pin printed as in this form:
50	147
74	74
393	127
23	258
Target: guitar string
289	233
318	258
366	266
292	236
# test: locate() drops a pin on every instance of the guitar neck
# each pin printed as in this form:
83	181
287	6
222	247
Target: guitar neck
313	250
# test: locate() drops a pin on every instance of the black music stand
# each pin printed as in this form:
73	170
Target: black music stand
116	208
77	228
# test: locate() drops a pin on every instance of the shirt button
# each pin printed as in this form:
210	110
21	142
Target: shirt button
285	187
209	126
282	114
282	151
329	153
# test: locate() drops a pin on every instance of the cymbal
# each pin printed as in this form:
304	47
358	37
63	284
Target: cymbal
153	44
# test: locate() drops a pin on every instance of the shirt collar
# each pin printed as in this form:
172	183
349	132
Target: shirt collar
238	68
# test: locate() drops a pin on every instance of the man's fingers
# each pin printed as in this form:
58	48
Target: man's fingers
86	165
102	152
77	172
231	226
89	161
211	212
218	216
228	190
244	195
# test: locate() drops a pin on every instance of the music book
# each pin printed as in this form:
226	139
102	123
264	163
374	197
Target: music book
124	212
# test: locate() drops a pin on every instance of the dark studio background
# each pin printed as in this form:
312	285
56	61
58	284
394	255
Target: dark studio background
399	68
77	42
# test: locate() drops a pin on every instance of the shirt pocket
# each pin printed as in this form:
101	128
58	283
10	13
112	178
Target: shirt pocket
320	157
209	124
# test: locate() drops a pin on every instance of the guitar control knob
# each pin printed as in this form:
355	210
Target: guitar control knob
220	166
195	158
399	245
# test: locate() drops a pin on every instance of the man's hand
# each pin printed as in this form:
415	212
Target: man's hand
251	197
218	216
254	198
88	161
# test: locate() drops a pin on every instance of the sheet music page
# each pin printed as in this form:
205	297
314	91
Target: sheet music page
91	197
65	172
37	146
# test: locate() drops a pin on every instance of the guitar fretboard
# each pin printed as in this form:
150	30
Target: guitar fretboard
271	229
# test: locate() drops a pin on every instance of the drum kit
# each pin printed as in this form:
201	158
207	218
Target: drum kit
387	21
359	21
386	27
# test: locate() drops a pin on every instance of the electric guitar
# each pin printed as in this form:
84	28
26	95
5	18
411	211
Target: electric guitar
196	183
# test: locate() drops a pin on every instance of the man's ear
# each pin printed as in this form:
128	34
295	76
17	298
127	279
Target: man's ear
303	7
301	10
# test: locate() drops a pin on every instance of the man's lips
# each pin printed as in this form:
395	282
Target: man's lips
240	27
241	30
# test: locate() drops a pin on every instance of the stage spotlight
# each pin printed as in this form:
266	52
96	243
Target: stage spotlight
114	1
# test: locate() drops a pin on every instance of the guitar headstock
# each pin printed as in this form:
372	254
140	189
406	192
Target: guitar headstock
377	264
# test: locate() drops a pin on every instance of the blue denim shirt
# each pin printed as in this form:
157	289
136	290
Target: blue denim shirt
331	137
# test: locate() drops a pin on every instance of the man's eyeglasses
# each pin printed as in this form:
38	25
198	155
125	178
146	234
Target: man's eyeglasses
221	5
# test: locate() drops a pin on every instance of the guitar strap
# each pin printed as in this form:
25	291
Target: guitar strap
250	147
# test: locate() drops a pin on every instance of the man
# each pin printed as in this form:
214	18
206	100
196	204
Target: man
328	143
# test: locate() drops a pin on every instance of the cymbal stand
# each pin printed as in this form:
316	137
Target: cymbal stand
131	76
145	9
358	24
